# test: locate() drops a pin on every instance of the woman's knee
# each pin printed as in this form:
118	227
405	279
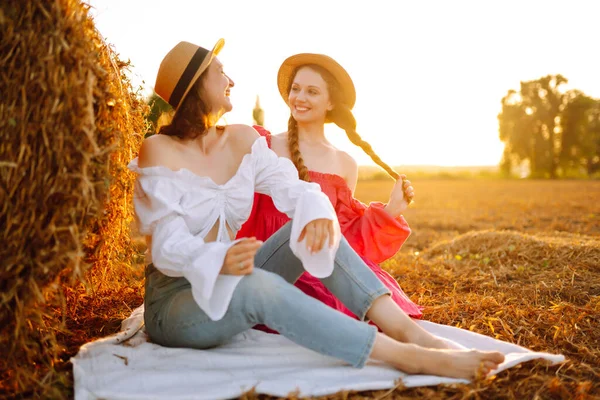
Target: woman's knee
280	239
261	280
285	231
261	283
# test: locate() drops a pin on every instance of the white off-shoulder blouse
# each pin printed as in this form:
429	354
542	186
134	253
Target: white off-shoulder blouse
178	209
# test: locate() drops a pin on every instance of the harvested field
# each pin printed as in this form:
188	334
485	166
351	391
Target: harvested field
517	260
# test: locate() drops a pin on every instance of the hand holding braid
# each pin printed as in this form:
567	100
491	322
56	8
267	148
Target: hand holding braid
401	196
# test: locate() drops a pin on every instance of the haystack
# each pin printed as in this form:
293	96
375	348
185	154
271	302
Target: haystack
518	249
69	124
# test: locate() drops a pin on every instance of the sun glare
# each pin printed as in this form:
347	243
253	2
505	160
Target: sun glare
429	81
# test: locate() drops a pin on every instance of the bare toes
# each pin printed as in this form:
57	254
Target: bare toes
490	365
495	356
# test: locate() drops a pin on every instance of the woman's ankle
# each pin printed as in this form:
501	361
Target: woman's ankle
413	359
407	357
421	337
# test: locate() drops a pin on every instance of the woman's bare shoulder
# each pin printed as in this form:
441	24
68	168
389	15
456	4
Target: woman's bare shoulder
346	160
349	168
279	144
157	150
242	136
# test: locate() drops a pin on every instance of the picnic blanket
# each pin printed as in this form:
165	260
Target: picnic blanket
127	366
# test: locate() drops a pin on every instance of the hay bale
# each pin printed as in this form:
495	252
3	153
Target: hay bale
69	123
557	267
513	248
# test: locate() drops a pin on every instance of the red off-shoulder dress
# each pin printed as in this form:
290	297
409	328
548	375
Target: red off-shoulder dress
370	230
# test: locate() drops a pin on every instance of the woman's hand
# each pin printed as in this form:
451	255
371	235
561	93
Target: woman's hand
401	196
316	233
239	259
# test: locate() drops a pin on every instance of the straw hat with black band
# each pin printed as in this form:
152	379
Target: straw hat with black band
181	68
291	64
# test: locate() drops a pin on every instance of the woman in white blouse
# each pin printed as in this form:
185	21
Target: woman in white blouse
195	188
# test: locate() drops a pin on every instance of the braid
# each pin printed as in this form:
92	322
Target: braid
294	147
342	116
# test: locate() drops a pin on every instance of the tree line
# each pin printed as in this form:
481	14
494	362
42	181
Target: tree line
556	132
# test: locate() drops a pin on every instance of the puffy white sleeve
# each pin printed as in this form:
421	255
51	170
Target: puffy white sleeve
175	251
302	201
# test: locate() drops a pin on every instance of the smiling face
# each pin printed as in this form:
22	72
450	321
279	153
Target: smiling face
216	88
308	98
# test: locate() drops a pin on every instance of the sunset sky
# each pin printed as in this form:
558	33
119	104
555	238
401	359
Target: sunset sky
429	75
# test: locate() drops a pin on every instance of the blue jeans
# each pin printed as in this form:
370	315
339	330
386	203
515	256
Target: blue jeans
267	296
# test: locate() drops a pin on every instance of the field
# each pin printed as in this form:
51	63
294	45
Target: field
517	260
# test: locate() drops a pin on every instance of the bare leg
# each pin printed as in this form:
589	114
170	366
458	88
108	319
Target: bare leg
414	359
395	323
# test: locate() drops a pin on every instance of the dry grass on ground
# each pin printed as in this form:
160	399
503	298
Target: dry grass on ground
517	260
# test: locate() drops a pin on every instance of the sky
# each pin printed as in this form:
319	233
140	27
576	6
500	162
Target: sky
429	75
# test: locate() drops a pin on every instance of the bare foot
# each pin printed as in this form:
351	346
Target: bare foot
462	364
413	333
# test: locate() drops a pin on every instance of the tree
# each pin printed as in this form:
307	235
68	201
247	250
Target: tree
528	125
158	108
594	132
580	128
258	114
555	132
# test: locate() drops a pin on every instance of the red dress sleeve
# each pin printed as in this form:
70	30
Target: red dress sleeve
263	132
370	230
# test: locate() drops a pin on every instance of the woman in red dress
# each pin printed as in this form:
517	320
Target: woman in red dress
318	90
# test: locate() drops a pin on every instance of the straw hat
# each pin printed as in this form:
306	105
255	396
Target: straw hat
181	68
286	71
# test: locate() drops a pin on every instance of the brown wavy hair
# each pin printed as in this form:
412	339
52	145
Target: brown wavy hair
192	118
341	115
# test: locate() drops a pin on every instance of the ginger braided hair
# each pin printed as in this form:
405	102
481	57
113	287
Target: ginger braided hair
342	116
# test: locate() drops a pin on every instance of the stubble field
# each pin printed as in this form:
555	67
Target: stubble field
516	260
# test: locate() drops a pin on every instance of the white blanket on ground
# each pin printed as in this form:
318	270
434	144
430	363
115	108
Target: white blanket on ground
127	366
